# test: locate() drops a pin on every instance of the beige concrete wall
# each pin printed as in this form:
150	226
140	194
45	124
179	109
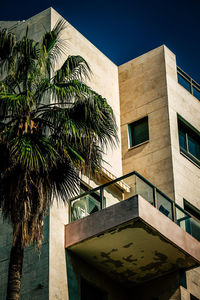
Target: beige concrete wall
58	287
185	295
104	78
38	24
143	92
104	81
186	173
148	86
8	24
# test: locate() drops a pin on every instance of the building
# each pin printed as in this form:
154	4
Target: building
146	247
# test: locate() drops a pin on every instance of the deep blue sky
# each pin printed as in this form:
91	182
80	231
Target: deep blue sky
125	29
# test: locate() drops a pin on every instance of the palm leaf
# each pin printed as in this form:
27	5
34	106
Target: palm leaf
33	152
53	44
43	144
7	43
74	68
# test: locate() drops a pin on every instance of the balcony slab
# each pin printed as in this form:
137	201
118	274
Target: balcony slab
132	242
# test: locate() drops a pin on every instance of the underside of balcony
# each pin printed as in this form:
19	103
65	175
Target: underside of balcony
132	242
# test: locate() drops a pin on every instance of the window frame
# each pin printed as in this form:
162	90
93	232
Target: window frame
192	209
130	133
189	131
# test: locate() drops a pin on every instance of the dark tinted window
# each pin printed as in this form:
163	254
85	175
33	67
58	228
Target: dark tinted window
189	141
194	222
194	211
194	146
138	132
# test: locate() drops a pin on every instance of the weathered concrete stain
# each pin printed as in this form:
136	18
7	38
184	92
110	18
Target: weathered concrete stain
128	273
128	245
154	266
160	256
112	231
129	259
116	263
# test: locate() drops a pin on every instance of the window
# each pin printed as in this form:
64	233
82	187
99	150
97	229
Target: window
195	212
138	132
189	140
192	223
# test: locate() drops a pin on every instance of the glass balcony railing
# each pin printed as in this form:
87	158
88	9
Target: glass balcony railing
188	83
126	187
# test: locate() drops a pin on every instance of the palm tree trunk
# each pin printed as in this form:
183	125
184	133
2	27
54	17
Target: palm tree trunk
15	270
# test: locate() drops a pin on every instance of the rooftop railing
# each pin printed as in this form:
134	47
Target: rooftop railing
126	187
188	83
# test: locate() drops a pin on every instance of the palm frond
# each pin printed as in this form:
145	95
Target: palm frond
43	145
74	68
33	152
7	43
70	91
53	44
64	179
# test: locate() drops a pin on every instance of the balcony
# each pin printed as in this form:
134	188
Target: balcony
188	83
130	230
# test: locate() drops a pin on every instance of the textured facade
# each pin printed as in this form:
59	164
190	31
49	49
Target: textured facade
130	249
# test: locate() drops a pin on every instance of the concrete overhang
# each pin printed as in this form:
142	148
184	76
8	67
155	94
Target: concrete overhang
132	242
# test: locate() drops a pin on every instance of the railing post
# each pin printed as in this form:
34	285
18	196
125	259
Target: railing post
135	192
69	212
155	200
191	86
101	198
174	212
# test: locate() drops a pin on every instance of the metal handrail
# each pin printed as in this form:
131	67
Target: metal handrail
189	79
124	177
174	206
120	179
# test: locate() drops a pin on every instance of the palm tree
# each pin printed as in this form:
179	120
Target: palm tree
44	143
